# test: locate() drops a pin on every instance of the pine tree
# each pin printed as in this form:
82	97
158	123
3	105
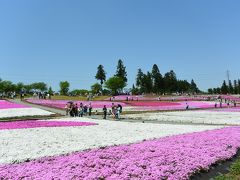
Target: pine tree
230	87
101	74
224	88
157	79
121	71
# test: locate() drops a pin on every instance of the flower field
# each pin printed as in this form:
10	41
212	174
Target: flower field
181	145
9	110
132	105
173	157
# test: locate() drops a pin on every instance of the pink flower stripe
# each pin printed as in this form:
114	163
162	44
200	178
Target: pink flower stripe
175	106
9	105
38	124
163	98
152	103
175	157
61	103
231	109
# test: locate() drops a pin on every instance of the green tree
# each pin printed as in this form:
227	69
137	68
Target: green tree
147	84
210	91
64	87
157	80
238	86
139	79
235	86
134	90
115	84
50	91
101	74
170	81
194	87
183	86
121	71
96	88
230	87
41	86
19	87
224	88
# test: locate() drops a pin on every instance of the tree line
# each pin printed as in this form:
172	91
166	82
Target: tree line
227	88
150	82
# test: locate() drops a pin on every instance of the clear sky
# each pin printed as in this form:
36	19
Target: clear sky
54	40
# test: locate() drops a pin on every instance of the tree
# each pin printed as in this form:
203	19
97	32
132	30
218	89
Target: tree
50	91
170	81
238	86
235	86
183	86
224	88
134	90
96	88
115	84
157	79
210	91
41	86
147	83
64	87
194	87
139	79
101	74
230	87
121	71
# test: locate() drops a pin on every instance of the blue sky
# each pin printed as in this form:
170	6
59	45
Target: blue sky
54	40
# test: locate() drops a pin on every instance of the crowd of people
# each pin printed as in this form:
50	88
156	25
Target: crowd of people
73	110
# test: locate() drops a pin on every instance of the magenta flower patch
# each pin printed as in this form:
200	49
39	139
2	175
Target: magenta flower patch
9	105
175	157
38	124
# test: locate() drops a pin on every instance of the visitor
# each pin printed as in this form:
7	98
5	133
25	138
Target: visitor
67	109
72	111
104	112
90	109
85	109
80	111
187	106
76	110
114	112
215	105
119	111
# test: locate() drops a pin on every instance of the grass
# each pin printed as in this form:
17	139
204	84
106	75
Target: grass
78	98
234	173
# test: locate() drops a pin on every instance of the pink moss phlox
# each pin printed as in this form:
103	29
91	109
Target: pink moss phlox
9	105
38	124
175	157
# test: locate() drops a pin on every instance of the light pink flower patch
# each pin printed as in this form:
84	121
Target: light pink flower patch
175	157
38	124
9	105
